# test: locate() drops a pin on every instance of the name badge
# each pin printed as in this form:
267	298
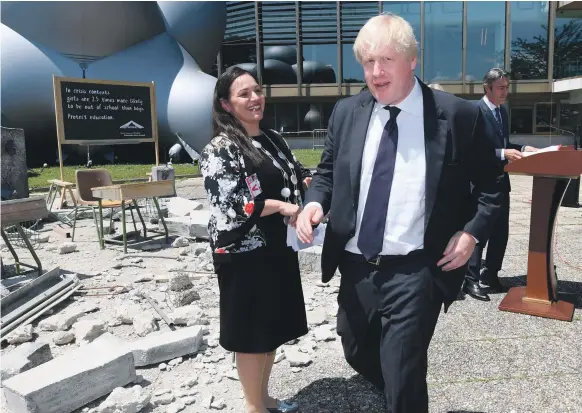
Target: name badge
254	185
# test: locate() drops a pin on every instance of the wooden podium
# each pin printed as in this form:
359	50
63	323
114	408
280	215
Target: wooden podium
552	172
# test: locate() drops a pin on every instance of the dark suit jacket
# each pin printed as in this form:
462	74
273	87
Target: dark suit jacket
457	154
500	141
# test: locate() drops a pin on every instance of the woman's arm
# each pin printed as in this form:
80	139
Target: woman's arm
230	202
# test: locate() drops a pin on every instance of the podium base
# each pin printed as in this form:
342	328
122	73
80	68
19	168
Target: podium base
514	302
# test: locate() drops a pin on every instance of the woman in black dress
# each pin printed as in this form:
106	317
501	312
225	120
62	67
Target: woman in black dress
254	187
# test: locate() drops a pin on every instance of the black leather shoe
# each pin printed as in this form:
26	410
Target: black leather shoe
472	288
491	282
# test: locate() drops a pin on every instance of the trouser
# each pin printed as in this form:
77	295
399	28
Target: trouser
496	245
386	319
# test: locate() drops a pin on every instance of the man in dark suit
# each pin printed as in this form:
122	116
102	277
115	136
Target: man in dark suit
395	178
496	87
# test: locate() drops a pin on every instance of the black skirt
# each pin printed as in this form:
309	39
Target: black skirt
261	299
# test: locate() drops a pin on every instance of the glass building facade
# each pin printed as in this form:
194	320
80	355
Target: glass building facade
302	54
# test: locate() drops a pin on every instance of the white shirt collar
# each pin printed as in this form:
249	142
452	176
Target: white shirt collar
489	104
412	104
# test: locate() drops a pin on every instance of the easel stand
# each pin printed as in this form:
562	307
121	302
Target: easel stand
552	171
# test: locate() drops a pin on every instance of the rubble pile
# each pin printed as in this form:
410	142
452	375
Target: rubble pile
141	333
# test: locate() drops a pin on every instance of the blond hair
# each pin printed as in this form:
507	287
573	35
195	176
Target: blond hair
436	86
386	29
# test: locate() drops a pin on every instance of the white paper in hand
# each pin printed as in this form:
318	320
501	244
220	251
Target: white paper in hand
294	242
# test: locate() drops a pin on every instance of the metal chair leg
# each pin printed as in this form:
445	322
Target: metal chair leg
74	224
30	248
123	227
52	195
161	217
133	219
9	245
145	230
101	240
96	223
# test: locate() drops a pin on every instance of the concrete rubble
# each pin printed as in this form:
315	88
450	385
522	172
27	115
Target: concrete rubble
24	358
122	400
142	333
156	348
72	380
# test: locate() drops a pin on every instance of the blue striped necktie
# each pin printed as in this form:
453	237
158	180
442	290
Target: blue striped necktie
371	236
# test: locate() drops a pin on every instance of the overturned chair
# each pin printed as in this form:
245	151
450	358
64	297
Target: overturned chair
91	178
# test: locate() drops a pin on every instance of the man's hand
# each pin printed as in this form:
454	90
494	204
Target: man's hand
530	149
311	215
458	251
512	154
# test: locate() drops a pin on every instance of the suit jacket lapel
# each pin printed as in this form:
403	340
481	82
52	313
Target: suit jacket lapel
435	142
361	120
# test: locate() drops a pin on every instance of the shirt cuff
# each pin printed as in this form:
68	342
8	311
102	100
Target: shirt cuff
317	204
500	154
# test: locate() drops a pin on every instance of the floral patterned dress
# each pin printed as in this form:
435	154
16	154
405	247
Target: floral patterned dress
261	298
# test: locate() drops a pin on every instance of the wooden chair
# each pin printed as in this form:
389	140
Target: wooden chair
91	178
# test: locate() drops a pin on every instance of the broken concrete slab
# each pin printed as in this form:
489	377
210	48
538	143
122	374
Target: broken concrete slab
62	321
296	358
67	248
181	207
188	315
122	400
73	379
179	282
144	324
159	347
23	358
193	226
88	330
310	259
125	313
21	335
182	298
63	337
180	242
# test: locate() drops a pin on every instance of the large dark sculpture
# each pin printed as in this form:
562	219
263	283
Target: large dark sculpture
280	68
170	43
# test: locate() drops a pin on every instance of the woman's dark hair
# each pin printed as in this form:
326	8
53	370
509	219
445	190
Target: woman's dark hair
225	123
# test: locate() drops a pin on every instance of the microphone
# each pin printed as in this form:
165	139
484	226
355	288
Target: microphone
564	130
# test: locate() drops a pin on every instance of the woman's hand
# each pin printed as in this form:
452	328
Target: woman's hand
289	210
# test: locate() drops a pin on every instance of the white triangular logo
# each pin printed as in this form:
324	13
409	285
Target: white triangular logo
131	125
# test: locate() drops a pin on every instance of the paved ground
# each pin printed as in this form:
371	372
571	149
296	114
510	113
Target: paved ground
480	360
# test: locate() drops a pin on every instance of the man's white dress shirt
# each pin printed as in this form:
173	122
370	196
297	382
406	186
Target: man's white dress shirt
404	230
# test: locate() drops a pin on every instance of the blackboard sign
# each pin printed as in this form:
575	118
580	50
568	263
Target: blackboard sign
104	112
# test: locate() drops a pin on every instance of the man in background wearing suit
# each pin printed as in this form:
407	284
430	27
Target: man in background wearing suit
496	87
395	177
